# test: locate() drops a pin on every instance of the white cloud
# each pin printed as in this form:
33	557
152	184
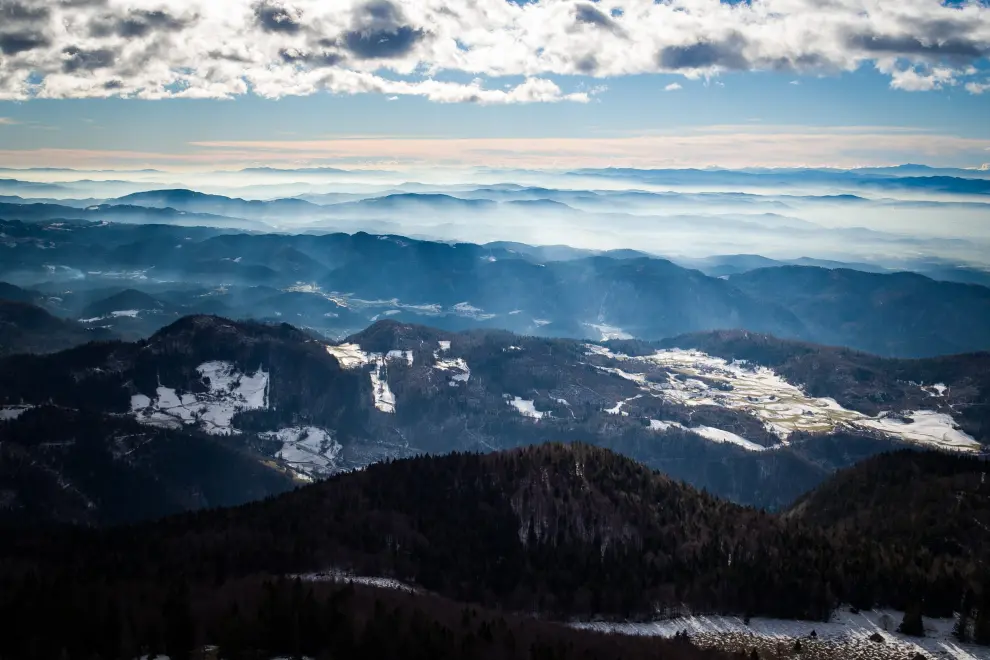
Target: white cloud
918	79
977	88
672	87
795	82
392	98
7	121
276	48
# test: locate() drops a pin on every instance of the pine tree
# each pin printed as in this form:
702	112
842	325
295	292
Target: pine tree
913	623
179	625
981	626
961	630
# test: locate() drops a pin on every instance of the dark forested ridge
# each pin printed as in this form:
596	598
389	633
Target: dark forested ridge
929	500
78	466
560	529
262	618
27	328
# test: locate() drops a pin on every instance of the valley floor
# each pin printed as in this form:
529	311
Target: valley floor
845	637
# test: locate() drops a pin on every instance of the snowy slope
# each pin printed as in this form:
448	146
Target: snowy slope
308	451
229	392
694	378
845	637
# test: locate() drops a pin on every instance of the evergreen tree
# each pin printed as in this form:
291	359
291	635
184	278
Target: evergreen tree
913	623
961	629
180	634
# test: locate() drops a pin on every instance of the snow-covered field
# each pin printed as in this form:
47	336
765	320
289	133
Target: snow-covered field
383	395
8	413
350	356
230	392
845	637
128	313
309	451
609	331
346	578
698	379
525	408
709	433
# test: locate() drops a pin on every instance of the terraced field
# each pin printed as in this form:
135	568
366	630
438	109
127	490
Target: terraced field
694	378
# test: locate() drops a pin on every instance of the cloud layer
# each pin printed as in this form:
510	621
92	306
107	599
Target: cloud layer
274	48
724	146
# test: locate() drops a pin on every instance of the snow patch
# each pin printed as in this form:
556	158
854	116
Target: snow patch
457	366
923	427
617	409
229	392
526	408
350	356
718	435
309	451
609	331
400	355
346	578
10	413
383	395
708	433
123	313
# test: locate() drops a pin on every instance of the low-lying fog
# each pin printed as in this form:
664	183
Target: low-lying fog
887	217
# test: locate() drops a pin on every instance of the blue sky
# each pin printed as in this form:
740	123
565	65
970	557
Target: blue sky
723	93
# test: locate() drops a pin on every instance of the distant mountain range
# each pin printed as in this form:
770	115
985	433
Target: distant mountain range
336	284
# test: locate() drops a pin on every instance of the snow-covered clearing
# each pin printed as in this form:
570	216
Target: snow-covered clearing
924	427
617	409
308	451
383	395
123	313
230	392
459	369
350	356
709	433
344	577
846	636
400	355
525	408
9	413
698	379
609	331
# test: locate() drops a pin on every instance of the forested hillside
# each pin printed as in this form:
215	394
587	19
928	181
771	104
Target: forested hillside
563	530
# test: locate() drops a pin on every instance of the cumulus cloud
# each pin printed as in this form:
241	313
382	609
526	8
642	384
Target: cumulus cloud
672	87
275	48
918	78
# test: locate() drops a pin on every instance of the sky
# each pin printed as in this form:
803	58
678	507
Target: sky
191	84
